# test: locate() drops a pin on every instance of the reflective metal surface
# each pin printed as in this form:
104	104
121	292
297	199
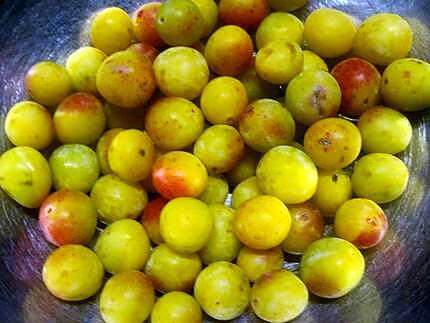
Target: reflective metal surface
397	283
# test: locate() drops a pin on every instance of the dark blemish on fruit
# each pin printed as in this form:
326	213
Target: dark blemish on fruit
28	182
317	96
162	19
342	159
372	221
217	302
49	210
325	141
366	101
407	74
385	81
142	153
334	178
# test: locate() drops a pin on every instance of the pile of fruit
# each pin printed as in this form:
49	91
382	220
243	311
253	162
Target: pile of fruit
196	108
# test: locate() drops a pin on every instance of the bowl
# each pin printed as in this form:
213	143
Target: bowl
396	287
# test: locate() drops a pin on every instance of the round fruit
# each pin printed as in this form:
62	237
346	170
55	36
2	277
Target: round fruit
216	190
111	30
245	191
209	12
151	218
279	296
25	176
334	188
287	173
262	222
312	62
145	50
307	226
170	270
223	100
222	290
73	273
123	246
185	64
139	151
329	32
405	85
360	82
179	22
174	123
127	297
176	307
222	244
182	216
74	167
384	130
361	222
379	177
244	13
126	79
48	83
68	217
333	143
244	169
82	66
117	117
289	5
266	124
279	61
220	148
256	87
229	51
331	267
103	149
279	26
383	38
79	119
116	199
257	262
313	95
29	124
143	21
178	173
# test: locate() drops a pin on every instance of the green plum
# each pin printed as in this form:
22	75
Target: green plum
245	191
245	168
75	167
216	190
25	176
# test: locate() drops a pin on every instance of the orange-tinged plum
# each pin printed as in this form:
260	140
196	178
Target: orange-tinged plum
257	262
361	222
181	71
279	296
334	188
222	290
174	123
178	307
151	218
186	224
331	267
265	124
245	191
127	297
116	199
333	143
79	119
262	222
287	173
48	83
68	217
145	50
245	168
131	155
73	273
143	20
179	22
126	79
329	32
170	270
178	173
219	147
359	82
247	14
102	149
229	51
307	226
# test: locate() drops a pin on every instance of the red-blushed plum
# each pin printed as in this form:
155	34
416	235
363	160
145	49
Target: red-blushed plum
151	218
143	20
244	13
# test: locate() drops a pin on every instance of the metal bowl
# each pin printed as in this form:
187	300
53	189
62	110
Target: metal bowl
396	287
